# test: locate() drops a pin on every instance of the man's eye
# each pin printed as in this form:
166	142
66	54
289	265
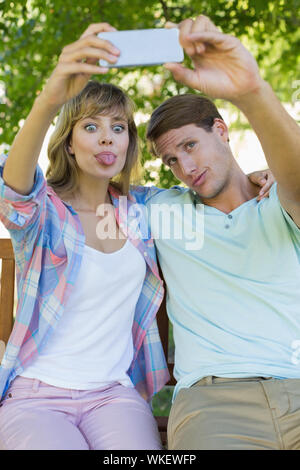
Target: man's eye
190	145
171	161
90	127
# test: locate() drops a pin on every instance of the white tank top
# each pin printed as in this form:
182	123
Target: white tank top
92	344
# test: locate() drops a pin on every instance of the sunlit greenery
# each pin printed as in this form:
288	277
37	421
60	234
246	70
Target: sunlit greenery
34	32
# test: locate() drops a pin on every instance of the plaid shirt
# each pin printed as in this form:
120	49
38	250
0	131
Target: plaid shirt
48	242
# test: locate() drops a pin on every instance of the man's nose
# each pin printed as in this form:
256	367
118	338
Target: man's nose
188	165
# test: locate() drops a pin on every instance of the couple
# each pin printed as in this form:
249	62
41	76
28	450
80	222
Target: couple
84	357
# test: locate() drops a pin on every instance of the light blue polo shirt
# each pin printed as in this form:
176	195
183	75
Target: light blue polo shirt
234	301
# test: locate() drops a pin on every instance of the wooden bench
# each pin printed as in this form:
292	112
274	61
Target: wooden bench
7	291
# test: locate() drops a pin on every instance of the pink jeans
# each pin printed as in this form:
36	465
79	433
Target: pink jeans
38	416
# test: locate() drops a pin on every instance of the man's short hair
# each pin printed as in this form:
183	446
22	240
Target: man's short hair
180	111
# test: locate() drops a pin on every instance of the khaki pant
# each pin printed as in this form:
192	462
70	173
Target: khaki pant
227	413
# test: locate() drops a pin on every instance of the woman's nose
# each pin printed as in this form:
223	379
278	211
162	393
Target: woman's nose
105	140
105	137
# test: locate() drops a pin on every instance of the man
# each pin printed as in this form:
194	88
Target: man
235	300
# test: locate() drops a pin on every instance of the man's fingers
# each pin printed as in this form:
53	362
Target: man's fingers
173	67
213	37
185	28
198	41
193	34
180	73
203	23
170	25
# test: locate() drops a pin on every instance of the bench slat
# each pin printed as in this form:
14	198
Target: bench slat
7	289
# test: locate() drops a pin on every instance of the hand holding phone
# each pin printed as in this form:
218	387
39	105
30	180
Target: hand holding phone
144	47
77	62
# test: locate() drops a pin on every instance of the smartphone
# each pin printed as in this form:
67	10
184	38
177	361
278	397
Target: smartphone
144	47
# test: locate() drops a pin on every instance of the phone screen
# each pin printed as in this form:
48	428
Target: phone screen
144	47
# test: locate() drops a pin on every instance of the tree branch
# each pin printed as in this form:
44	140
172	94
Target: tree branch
165	10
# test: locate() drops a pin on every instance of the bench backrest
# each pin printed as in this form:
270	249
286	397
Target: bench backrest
7	284
7	287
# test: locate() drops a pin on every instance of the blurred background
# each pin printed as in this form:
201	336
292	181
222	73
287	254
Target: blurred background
33	33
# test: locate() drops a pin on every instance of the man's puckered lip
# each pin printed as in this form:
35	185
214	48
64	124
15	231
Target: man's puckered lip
198	177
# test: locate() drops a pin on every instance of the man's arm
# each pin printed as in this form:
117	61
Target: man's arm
224	68
279	136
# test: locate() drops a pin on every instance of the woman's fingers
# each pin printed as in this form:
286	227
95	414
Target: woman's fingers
88	53
91	41
75	68
77	62
263	195
265	188
266	181
89	48
96	28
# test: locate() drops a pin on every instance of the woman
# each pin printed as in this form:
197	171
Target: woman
84	356
80	390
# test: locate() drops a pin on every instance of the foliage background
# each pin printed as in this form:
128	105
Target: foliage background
33	33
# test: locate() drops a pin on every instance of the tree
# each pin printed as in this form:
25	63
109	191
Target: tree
34	33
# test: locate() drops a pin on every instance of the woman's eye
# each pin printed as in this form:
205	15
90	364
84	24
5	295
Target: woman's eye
118	128
90	127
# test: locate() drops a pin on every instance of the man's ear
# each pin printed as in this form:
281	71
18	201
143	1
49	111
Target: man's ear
222	129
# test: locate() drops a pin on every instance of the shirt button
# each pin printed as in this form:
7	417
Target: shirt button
230	216
227	226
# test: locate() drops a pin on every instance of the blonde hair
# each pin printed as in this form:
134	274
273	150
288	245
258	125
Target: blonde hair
95	98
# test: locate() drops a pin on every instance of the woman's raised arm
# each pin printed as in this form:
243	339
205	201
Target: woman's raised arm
76	64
